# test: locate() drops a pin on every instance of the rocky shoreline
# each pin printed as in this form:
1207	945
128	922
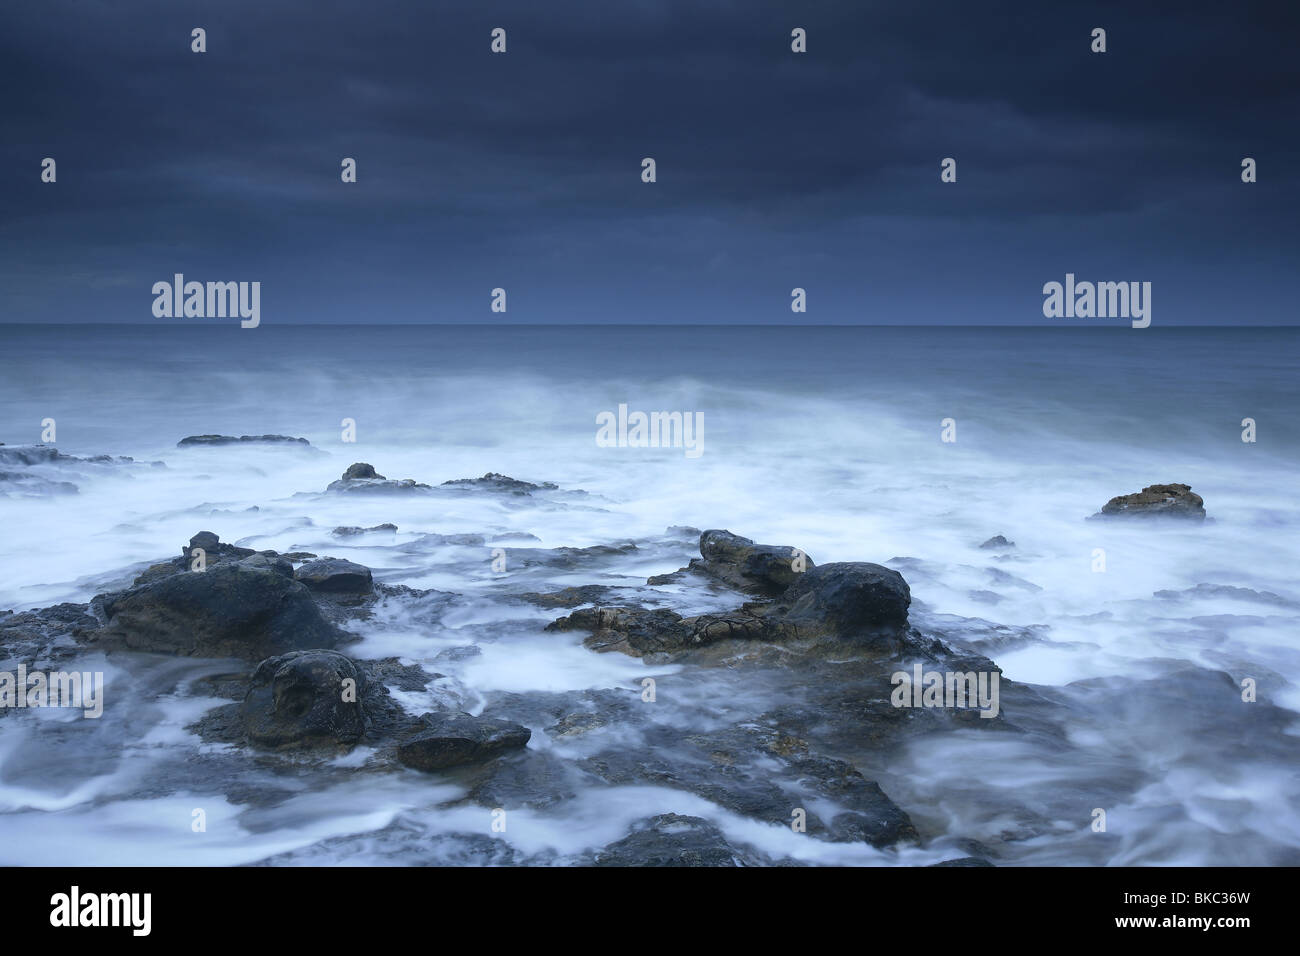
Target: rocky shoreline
823	638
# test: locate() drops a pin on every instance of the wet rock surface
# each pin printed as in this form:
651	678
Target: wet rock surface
818	645
1156	501
229	610
209	441
305	699
449	740
361	478
335	575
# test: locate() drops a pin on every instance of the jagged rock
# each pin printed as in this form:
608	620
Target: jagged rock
362	477
352	531
336	575
997	541
451	739
215	551
1166	501
302	699
504	483
756	568
229	610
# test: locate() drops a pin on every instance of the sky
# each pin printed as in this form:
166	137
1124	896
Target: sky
775	170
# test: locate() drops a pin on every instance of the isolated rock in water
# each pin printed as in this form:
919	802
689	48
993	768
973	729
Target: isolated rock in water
362	477
241	440
671	839
756	568
42	470
452	739
304	699
495	482
336	575
352	531
1173	501
230	610
848	598
997	541
26	485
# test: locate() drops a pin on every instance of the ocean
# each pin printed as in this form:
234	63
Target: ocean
1129	641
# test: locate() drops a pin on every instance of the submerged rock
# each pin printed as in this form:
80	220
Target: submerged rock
451	739
503	483
1166	501
303	699
42	470
671	839
229	610
362	477
352	531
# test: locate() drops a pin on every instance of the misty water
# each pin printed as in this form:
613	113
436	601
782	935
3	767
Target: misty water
1123	684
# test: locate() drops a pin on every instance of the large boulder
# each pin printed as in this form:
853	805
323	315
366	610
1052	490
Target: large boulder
852	598
336	575
1156	501
756	568
304	699
229	610
452	739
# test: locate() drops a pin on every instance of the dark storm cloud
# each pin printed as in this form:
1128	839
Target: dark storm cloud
775	170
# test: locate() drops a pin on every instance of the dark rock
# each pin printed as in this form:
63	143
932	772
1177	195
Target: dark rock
451	739
269	562
214	550
848	598
213	440
1169	501
638	631
301	699
351	531
574	596
671	839
997	541
503	483
964	861
361	477
336	575
756	568
229	610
